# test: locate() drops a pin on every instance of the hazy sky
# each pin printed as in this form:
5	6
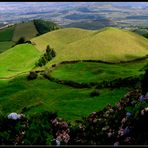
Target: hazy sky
5	4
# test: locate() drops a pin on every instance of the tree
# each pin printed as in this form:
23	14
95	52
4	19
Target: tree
44	60
21	40
48	48
53	53
47	56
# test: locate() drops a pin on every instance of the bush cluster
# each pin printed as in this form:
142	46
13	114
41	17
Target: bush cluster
43	26
33	130
47	56
32	75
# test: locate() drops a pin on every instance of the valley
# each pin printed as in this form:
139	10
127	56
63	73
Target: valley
77	76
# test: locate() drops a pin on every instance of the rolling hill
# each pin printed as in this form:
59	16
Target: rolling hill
108	44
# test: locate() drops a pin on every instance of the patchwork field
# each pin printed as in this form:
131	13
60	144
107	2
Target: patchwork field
6	34
5	38
26	30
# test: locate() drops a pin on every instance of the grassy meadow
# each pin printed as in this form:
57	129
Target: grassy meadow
18	59
109	44
86	72
40	95
6	45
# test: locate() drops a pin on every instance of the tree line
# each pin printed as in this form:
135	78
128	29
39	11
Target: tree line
46	57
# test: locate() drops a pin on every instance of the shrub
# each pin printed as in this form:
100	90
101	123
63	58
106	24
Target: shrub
21	41
32	75
40	129
94	93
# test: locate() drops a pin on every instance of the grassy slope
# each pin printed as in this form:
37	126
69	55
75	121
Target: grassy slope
18	59
39	95
97	72
6	34
26	30
60	38
109	44
5	45
5	38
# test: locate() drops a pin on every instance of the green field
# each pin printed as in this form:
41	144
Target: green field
6	34
86	72
5	45
18	59
71	103
108	44
40	95
26	30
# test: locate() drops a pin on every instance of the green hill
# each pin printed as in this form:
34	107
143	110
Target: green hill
108	44
60	38
18	59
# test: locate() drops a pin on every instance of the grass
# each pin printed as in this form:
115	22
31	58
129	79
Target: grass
6	34
18	59
96	72
108	44
5	45
40	94
26	30
60	38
